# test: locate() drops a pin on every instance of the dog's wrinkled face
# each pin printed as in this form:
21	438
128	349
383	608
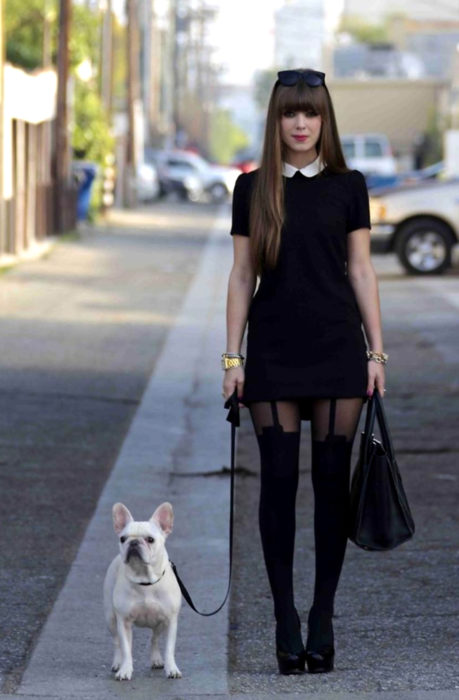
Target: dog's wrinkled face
142	542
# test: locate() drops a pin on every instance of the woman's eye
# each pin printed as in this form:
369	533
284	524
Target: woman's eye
309	113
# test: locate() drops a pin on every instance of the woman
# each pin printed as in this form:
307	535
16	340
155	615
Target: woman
301	223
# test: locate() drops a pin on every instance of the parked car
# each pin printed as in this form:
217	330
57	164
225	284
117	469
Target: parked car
419	222
370	153
147	182
245	160
193	177
430	172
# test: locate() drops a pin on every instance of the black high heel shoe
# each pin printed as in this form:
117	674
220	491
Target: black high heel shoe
291	663
320	651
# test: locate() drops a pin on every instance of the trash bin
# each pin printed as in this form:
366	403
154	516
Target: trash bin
84	173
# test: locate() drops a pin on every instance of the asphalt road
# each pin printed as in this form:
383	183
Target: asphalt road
81	331
396	614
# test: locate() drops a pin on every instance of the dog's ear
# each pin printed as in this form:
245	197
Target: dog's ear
121	517
164	517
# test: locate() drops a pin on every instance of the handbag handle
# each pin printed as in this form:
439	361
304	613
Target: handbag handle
384	426
376	411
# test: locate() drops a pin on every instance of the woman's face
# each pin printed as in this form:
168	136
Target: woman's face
300	132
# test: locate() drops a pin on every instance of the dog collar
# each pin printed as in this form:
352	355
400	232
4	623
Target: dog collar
150	583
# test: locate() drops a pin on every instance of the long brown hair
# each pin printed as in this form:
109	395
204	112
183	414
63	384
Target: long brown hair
267	202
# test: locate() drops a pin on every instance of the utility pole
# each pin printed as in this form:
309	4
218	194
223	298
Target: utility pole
62	153
132	97
106	69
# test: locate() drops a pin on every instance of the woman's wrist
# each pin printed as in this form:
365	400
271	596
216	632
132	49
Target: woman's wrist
376	356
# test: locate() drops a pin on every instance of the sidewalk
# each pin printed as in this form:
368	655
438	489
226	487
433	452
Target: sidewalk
175	438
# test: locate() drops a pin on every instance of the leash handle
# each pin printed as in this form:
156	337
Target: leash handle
233	417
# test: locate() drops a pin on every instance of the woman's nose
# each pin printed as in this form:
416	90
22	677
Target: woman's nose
301	120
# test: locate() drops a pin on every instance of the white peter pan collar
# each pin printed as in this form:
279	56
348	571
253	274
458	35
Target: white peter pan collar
308	171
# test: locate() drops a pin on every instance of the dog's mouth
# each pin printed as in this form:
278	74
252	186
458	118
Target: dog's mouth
133	552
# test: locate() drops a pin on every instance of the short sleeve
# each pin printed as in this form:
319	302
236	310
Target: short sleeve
241	206
358	213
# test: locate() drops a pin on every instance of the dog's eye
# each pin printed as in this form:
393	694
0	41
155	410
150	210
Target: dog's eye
150	539
123	539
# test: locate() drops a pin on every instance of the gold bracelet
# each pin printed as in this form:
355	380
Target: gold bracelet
232	359
380	357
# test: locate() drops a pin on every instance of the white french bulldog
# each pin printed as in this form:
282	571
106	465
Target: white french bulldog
141	588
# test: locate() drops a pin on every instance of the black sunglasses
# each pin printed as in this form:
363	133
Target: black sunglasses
313	78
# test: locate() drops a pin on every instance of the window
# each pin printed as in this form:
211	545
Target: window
348	149
180	164
373	148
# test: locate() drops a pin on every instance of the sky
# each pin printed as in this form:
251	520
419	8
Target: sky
243	34
244	37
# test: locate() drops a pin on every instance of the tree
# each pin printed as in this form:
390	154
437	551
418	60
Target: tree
226	138
25	22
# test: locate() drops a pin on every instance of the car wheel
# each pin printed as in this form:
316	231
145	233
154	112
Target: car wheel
424	247
218	192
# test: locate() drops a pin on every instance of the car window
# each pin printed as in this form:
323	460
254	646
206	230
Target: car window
373	148
180	164
348	149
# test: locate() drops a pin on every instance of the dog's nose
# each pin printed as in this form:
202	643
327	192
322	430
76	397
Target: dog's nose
134	543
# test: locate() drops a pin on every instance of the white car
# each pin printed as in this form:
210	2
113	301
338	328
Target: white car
197	177
419	222
147	182
370	153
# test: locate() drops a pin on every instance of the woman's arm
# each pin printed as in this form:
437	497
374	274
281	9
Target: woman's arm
241	286
362	277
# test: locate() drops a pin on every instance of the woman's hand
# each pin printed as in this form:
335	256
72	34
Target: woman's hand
233	377
376	377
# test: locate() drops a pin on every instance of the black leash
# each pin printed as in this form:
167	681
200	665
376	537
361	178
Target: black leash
233	417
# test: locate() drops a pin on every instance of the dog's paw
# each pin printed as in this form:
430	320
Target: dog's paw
124	673
173	672
157	661
116	662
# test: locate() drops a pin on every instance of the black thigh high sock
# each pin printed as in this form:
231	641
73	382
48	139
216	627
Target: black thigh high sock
279	453
330	471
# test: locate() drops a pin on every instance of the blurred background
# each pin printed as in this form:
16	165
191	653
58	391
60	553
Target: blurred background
122	102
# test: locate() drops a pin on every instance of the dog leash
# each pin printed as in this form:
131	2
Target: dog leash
233	417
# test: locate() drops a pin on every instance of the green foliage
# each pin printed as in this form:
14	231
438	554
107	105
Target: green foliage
226	138
364	32
24	24
91	131
92	139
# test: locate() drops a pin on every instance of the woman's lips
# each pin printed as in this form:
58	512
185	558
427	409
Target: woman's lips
300	138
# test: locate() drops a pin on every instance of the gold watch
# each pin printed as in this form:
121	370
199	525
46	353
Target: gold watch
232	359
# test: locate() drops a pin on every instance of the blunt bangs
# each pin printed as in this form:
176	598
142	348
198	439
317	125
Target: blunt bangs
300	98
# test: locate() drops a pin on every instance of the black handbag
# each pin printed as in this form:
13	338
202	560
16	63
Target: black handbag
380	517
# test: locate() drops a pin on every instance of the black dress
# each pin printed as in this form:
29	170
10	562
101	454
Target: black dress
304	329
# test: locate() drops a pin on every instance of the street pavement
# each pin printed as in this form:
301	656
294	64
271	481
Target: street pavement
396	613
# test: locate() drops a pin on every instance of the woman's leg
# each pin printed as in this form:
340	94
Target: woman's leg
333	426
277	427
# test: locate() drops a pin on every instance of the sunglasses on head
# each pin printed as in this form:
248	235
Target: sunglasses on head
313	78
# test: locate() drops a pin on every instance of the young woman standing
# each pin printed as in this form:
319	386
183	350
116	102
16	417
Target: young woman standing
301	224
